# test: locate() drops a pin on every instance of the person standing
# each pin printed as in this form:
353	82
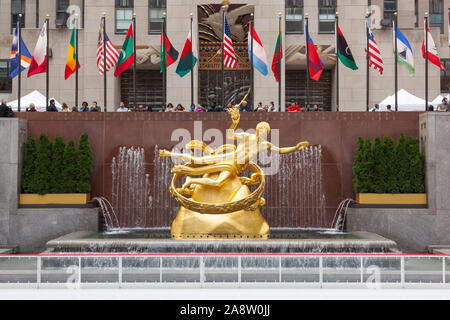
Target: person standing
52	106
244	107
294	107
5	111
95	107
122	108
443	107
85	107
376	108
65	107
31	108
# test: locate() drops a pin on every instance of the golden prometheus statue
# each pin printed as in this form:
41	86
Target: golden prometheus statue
216	203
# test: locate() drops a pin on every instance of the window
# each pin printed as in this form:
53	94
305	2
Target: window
61	13
437	14
5	79
445	76
390	7
17	7
416	13
327	15
156	9
294	16
124	15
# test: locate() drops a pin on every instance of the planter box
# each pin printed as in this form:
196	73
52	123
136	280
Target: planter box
391	198
66	198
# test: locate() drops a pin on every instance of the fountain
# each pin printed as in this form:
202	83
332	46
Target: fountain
140	212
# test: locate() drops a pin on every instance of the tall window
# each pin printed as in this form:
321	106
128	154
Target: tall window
61	13
416	13
390	7
294	16
327	14
156	9
124	15
445	76
5	79
437	14
17	7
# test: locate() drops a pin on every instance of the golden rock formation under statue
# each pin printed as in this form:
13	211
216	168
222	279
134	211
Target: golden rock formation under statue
216	203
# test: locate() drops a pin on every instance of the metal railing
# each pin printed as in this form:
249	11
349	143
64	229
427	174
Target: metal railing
233	271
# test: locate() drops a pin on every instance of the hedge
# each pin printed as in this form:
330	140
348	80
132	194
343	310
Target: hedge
57	167
389	168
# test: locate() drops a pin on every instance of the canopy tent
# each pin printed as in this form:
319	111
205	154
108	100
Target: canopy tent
406	102
438	100
34	97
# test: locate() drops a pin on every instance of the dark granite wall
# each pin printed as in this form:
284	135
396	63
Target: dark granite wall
336	132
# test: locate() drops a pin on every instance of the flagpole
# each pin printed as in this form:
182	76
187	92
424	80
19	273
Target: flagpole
134	63
224	7
337	61
76	60
19	87
307	60
105	108
164	62
47	21
396	59
252	73
279	61
192	61
426	61
367	61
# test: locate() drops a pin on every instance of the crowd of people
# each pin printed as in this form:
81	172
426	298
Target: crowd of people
6	111
243	107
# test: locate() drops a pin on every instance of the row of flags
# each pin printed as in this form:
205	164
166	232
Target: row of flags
37	63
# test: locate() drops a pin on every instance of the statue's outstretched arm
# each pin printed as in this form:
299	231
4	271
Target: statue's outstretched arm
193	159
298	147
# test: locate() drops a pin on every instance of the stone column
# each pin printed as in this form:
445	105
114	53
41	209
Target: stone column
13	133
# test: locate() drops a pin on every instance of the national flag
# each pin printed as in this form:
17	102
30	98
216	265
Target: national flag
112	55
168	55
405	54
259	54
344	52
71	61
433	55
188	57
126	57
375	59
277	57
229	56
315	64
25	55
39	59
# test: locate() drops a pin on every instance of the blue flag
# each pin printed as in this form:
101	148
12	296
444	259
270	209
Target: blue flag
26	56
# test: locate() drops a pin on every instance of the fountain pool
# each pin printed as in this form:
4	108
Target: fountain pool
282	241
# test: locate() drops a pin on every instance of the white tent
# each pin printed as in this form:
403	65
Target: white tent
406	102
34	97
438	100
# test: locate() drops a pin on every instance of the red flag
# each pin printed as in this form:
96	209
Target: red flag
433	55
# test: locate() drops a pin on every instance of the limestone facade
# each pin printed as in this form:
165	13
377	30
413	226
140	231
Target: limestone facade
352	24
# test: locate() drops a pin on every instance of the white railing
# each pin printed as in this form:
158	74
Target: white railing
214	271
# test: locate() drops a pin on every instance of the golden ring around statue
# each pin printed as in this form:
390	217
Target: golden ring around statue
249	203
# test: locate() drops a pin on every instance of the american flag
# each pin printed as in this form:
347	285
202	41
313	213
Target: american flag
375	59
229	56
112	55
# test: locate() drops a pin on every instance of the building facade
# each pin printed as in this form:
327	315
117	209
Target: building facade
207	35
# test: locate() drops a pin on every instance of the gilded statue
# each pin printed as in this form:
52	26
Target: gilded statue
217	203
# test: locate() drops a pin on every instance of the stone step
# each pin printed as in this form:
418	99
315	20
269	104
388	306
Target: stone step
6	251
439	249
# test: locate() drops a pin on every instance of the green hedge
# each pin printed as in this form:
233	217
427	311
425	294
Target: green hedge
383	167
57	167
